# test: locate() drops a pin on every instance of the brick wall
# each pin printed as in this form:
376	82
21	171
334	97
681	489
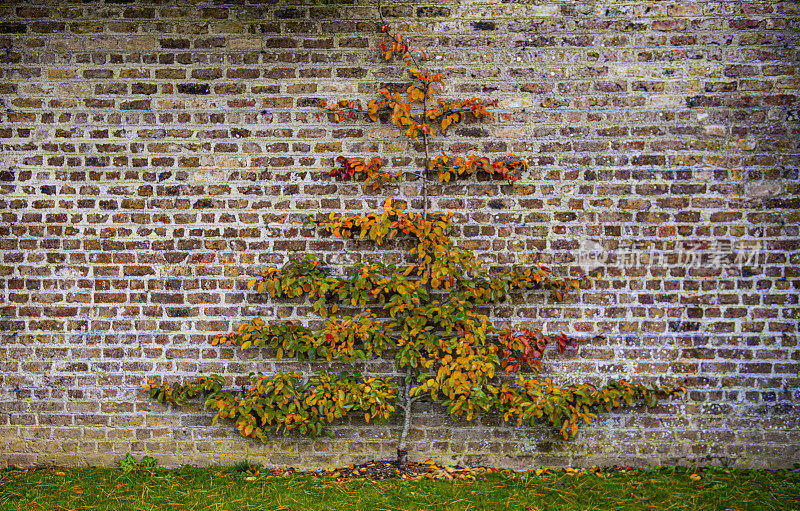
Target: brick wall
157	153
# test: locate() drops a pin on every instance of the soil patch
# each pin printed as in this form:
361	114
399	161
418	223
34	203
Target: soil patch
395	469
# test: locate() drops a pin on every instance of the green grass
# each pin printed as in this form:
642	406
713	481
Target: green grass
232	488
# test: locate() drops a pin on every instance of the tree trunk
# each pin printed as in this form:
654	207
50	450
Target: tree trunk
402	444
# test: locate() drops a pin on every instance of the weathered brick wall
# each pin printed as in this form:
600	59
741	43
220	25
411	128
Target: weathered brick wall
156	153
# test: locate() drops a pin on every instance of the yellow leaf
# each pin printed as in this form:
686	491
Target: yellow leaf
251	283
279	355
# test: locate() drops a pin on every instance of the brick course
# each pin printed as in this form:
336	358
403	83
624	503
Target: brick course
155	155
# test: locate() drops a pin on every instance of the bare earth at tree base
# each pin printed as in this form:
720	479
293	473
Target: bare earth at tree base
398	469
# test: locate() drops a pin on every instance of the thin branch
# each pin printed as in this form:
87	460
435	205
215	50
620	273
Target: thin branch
425	178
380	14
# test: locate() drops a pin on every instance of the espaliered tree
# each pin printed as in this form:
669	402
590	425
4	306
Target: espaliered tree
425	313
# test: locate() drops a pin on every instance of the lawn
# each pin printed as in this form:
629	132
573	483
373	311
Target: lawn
248	487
